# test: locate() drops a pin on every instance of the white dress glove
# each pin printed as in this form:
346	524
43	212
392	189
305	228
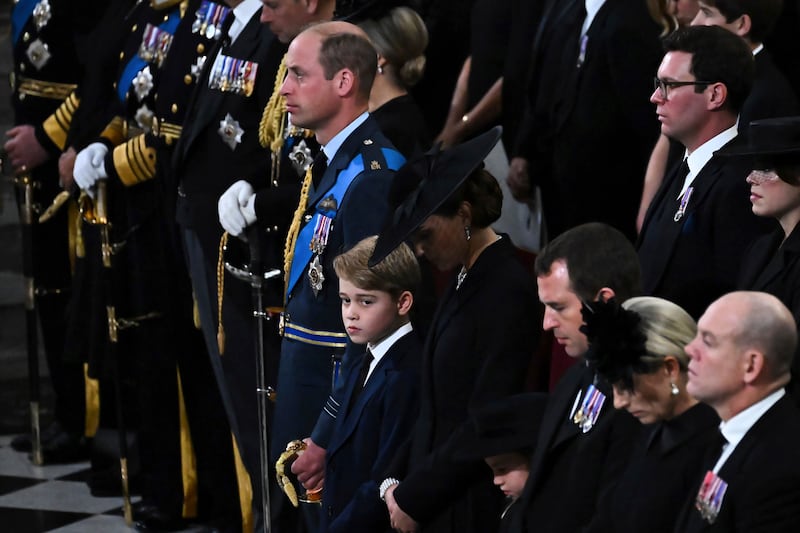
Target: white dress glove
90	165
236	207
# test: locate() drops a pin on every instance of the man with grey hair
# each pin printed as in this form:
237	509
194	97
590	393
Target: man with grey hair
740	363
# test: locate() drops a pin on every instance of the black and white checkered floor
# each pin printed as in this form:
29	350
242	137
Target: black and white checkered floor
55	498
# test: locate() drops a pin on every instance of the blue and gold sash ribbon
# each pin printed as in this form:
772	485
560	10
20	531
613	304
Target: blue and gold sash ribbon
302	250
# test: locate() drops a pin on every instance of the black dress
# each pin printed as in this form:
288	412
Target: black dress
401	121
772	265
477	350
660	476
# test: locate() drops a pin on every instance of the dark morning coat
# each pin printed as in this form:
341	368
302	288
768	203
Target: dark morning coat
477	350
304	374
592	128
763	476
570	470
695	260
365	438
773	265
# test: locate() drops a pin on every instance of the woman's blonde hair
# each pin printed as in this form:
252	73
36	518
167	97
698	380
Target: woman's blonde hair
660	12
666	326
401	38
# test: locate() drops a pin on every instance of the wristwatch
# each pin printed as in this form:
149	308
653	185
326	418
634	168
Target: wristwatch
385	484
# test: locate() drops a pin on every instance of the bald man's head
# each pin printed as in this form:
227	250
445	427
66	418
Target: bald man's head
767	325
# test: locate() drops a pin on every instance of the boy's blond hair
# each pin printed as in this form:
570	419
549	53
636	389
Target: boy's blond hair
398	272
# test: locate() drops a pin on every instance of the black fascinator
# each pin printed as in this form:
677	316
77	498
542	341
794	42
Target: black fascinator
616	342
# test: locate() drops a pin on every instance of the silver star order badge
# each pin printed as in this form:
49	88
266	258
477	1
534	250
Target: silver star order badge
38	54
230	131
144	118
315	276
42	14
143	83
197	68
301	157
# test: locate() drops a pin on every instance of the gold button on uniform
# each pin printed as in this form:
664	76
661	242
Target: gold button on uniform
187	79
201	48
134	27
121	55
174	108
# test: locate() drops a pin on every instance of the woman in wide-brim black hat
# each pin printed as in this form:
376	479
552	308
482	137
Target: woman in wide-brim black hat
480	342
773	262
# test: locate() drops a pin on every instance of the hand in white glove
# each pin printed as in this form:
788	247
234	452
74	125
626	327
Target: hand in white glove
90	165
236	207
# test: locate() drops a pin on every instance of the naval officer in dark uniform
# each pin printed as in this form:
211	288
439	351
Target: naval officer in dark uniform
159	65
49	45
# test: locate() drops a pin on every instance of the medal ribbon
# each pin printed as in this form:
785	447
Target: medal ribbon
684	204
137	63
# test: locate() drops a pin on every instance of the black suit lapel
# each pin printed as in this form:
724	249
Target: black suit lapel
661	232
557	410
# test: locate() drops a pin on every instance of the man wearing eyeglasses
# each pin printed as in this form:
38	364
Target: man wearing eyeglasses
699	223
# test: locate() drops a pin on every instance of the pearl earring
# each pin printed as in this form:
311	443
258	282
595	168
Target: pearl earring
673	389
380	69
467	232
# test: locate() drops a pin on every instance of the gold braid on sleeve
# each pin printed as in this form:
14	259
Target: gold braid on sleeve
294	229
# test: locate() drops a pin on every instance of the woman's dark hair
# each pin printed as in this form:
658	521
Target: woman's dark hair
482	192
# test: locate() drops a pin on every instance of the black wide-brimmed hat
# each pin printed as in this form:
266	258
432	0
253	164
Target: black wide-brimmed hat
507	425
423	184
356	11
768	138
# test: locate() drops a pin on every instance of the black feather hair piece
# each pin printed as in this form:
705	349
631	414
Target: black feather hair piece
616	342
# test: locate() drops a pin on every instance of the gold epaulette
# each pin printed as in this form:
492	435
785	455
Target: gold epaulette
134	161
56	126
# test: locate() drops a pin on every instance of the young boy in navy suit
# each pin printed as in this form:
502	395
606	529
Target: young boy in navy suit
381	394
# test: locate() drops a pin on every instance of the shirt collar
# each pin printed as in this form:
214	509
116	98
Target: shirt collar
243	13
703	154
592	7
380	349
336	142
735	428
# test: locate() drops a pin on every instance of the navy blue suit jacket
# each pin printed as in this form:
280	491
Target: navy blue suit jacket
366	436
304	374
